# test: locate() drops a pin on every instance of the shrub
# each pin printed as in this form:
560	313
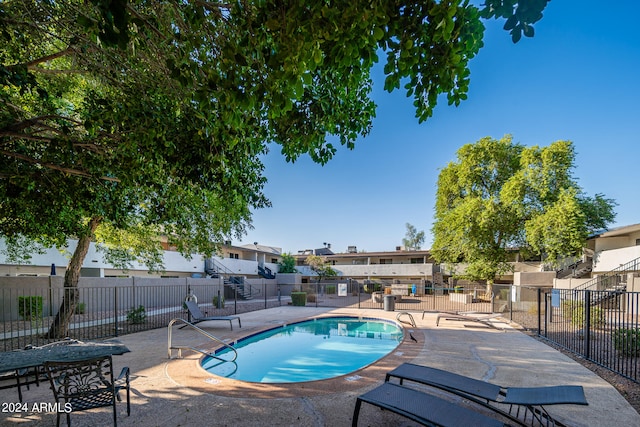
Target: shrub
137	315
574	310
81	308
215	301
372	287
311	298
627	341
458	289
30	308
331	289
299	298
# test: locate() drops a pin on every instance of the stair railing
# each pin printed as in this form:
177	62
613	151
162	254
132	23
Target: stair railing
610	279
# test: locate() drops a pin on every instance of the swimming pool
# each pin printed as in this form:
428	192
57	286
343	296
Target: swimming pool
311	350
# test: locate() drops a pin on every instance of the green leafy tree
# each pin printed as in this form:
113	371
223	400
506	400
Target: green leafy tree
500	196
122	120
414	239
320	266
287	264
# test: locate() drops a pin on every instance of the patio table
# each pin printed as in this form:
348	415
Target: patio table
34	357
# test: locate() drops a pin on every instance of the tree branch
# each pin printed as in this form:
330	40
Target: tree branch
55	167
151	27
31	65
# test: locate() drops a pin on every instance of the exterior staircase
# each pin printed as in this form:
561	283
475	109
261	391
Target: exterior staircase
265	272
235	287
575	270
612	284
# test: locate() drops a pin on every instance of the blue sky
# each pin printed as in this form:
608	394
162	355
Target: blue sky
577	80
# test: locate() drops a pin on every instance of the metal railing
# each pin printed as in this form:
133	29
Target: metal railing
170	346
416	296
27	313
601	326
613	278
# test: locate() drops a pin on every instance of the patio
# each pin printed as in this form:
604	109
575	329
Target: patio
177	392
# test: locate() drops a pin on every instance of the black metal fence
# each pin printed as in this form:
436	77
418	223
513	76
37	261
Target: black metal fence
406	296
601	326
105	312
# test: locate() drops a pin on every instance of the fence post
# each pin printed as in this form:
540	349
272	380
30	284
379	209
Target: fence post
264	291
510	303
235	295
115	307
587	324
50	297
547	314
539	310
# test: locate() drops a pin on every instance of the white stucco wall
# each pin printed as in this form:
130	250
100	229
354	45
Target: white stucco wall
614	258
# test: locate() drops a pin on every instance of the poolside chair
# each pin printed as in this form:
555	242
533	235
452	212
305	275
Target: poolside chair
531	401
18	378
87	384
197	316
423	408
28	376
470	316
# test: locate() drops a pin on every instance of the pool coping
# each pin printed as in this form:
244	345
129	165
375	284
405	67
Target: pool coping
188	371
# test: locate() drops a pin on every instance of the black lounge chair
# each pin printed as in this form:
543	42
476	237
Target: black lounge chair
530	400
423	408
470	316
197	316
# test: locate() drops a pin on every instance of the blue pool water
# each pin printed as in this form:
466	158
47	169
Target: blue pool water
307	351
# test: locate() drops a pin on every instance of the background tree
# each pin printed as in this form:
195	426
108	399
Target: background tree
122	120
320	266
287	264
414	239
500	197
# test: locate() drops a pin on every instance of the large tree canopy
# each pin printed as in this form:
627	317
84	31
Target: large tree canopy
124	119
500	196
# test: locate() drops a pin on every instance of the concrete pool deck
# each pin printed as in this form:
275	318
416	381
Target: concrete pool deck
177	392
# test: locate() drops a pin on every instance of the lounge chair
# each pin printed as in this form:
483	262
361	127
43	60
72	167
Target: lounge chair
530	400
197	316
423	408
470	316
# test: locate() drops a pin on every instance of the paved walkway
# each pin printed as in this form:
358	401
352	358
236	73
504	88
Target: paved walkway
177	392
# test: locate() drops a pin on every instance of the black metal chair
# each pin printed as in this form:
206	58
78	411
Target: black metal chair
27	376
18	378
87	384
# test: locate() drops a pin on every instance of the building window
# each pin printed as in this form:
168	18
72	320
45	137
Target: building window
417	260
233	256
386	261
274	260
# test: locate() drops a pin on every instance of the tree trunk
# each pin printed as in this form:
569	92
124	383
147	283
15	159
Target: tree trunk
489	291
60	326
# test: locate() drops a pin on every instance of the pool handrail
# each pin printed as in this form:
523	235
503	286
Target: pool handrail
206	334
406	313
